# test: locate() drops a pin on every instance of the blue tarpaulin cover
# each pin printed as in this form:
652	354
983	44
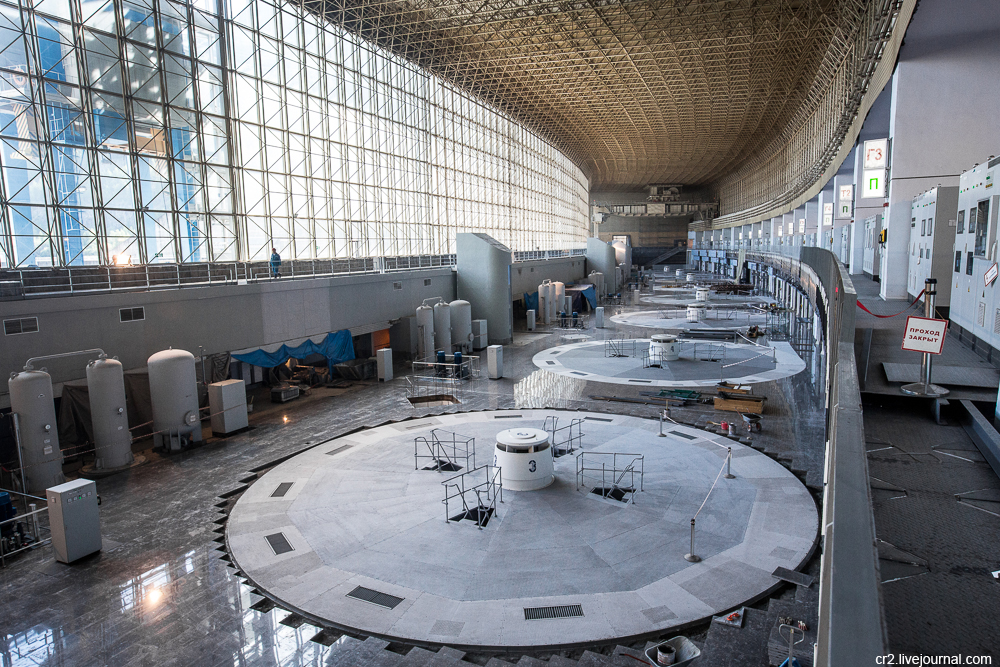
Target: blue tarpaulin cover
531	301
336	347
590	294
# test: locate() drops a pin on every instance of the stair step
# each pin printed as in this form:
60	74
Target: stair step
591	659
626	657
560	661
528	661
497	662
418	657
446	656
342	652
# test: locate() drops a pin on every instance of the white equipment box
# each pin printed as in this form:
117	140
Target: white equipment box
75	519
383	359
494	359
531	320
479	339
227	402
599	317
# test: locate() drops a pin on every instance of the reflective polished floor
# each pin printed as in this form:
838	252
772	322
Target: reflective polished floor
158	594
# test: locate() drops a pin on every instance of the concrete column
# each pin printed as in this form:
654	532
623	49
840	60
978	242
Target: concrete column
483	279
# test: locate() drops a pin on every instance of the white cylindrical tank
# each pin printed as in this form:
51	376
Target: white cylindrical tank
663	347
691	277
173	391
461	325
425	332
560	291
31	398
112	440
598	279
695	312
442	327
679	274
524	458
701	293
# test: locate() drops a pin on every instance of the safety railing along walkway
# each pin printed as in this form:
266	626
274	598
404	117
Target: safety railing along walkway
27	530
608	471
463	487
564	439
444	450
63	281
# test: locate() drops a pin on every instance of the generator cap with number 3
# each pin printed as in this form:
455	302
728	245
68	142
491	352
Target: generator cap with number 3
524	458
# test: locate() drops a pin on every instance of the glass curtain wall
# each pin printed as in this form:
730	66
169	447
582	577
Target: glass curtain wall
151	131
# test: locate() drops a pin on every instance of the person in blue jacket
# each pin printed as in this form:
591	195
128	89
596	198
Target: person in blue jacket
275	263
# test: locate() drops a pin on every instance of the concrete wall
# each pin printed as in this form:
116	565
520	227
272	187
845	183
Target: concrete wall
220	319
647	231
527	276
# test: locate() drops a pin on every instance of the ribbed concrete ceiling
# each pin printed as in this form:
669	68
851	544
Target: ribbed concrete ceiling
637	92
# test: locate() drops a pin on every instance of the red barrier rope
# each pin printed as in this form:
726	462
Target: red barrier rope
862	306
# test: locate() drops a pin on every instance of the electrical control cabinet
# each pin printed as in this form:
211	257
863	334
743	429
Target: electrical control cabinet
383	359
975	306
228	405
494	359
871	260
932	238
75	519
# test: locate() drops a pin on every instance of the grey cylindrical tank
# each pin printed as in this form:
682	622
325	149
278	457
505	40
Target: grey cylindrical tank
425	332
112	440
597	278
31	398
173	390
442	327
461	324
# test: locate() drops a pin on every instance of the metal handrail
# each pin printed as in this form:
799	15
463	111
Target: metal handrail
492	487
617	473
570	437
438	449
30	517
69	280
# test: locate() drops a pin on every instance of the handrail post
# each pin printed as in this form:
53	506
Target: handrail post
729	460
690	556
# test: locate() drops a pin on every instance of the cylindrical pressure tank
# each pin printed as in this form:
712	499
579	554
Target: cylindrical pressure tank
31	398
679	273
597	278
425	332
461	325
112	440
173	391
546	306
701	293
560	290
442	327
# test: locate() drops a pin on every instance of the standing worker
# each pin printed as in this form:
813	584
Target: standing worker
275	263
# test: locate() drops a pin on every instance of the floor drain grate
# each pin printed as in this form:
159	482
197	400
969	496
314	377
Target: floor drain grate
375	597
443	466
481	515
281	490
612	492
686	436
597	419
541	613
338	450
279	543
